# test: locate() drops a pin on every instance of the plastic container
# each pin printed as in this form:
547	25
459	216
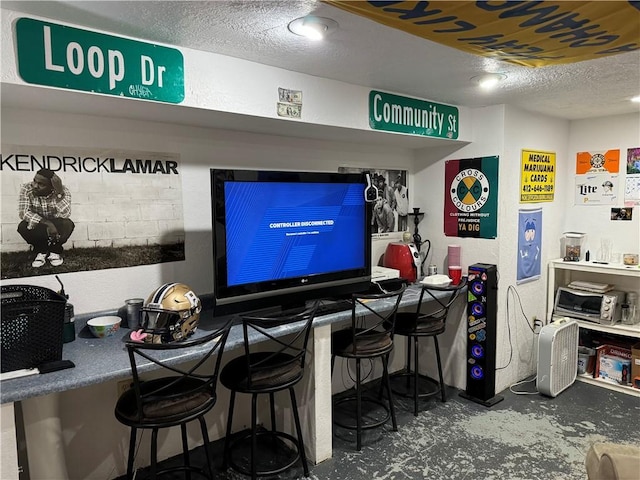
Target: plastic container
586	360
572	246
631	299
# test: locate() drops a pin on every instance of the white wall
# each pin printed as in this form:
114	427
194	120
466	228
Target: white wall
488	125
200	149
503	131
594	135
528	131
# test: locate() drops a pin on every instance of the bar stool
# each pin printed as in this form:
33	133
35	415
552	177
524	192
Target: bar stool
184	394
418	324
369	337
270	364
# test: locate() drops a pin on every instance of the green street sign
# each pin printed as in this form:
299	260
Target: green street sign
65	57
394	113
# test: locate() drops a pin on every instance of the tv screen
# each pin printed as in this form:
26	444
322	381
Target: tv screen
283	238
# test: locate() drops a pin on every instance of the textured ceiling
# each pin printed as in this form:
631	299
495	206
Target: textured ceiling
360	52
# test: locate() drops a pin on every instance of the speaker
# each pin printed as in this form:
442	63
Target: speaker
482	294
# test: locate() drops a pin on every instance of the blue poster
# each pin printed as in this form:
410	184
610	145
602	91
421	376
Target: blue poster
529	235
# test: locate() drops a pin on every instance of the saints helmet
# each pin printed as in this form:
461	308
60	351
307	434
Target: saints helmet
171	313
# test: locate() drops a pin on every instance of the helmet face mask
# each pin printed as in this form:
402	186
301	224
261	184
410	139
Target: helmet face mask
171	314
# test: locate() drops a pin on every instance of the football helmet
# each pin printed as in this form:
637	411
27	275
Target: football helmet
171	314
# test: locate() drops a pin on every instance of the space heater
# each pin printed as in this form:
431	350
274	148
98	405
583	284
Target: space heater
557	356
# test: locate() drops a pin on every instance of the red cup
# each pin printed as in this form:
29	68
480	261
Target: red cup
455	274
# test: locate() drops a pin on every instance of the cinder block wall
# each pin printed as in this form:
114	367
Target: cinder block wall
108	209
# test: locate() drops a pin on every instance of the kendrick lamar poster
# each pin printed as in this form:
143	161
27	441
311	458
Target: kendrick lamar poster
471	197
69	209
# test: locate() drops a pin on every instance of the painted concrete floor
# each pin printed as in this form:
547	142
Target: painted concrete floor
524	437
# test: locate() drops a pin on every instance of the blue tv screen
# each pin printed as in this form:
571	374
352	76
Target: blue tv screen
288	234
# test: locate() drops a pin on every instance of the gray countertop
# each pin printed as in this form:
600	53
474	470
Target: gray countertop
99	360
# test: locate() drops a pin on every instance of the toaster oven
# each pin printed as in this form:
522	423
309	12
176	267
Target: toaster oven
601	308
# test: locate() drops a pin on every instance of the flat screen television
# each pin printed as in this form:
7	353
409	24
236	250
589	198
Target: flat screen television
281	239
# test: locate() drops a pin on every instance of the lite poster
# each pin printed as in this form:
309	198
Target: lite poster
529	245
471	197
596	180
125	207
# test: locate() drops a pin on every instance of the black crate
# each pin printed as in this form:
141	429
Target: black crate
32	324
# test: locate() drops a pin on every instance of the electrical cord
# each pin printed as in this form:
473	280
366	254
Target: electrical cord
522	382
512	292
359	324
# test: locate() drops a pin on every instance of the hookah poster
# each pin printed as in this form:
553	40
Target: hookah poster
390	212
471	197
529	235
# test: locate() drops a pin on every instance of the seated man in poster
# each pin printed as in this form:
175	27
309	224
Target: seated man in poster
44	208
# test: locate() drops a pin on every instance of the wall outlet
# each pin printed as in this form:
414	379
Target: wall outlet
124	385
537	324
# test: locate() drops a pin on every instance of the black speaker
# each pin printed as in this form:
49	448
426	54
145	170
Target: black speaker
482	296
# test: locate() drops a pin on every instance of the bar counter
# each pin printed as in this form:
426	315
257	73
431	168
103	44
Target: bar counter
101	360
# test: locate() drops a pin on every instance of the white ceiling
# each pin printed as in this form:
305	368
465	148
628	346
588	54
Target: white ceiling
360	52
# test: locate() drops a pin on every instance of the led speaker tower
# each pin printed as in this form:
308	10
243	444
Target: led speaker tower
482	293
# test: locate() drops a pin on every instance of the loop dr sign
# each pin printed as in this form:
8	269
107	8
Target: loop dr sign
65	57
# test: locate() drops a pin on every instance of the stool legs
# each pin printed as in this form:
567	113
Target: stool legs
185	449
154	454
132	453
227	438
254	436
296	418
408	362
442	392
415	377
358	407
273	411
205	440
387	381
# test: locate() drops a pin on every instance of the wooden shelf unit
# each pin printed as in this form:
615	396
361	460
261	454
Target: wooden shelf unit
626	278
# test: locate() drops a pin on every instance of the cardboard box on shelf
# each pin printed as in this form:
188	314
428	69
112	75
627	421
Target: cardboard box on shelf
635	365
613	364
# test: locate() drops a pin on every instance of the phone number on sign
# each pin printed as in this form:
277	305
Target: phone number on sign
537	188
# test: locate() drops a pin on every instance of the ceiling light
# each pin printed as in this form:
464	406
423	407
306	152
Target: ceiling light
489	81
312	27
636	99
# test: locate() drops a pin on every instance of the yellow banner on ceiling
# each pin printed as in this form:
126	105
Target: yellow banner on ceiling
533	34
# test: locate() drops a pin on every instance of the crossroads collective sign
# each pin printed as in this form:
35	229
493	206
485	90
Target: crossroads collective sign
471	197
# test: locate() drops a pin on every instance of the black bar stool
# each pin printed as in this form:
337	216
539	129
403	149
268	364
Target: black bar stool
270	364
369	337
184	394
415	325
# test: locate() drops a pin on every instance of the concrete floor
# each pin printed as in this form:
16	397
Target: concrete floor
522	437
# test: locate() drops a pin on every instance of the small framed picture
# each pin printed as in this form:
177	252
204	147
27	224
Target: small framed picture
624	213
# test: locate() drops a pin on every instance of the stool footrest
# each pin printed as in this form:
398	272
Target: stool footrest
365	425
399	385
273	449
184	468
